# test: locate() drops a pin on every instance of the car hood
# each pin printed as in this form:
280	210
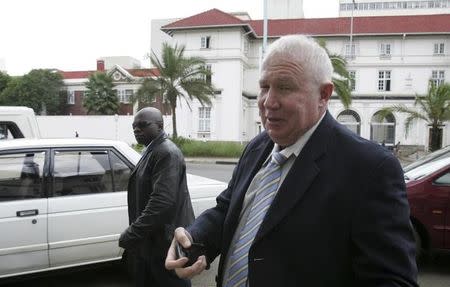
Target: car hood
202	187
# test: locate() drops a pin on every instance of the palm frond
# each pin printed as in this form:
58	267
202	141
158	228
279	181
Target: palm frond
342	90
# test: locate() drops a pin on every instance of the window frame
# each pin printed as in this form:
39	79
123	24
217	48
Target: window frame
348	124
352	80
436	182
205	42
203	120
108	149
45	169
439	48
13	128
123	96
385	49
384	82
350	51
388	124
208	78
70	98
439	79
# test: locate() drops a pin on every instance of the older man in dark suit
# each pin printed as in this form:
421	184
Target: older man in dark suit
158	201
310	203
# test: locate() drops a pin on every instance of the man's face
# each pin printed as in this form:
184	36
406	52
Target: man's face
145	129
290	103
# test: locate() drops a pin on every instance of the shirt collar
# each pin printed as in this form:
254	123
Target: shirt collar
297	147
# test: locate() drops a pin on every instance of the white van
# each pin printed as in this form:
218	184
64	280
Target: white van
18	122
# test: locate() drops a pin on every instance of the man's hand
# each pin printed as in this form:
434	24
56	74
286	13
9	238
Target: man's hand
172	263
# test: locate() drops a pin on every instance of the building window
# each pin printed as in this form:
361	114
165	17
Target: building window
352	80
424	4
70	97
204	119
246	46
385	50
384	81
351	120
124	96
439	49
209	75
383	130
438	77
205	42
350	51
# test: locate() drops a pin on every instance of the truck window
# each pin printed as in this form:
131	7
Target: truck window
9	130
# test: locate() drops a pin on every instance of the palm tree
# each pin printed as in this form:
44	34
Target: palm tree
434	108
341	77
100	97
178	77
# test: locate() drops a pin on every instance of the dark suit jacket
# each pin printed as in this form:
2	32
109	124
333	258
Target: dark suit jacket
158	199
340	217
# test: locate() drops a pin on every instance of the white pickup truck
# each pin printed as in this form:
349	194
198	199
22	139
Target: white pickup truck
18	122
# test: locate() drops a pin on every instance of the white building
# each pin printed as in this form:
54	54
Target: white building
284	9
392	7
392	59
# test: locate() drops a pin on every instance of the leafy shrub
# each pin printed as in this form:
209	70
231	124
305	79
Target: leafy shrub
195	148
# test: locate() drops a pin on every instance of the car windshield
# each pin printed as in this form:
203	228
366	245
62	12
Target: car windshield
426	169
443	152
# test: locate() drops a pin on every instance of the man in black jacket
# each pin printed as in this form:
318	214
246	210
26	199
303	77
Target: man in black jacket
158	201
310	203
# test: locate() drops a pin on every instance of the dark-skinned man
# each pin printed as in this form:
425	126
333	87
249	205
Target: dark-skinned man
158	201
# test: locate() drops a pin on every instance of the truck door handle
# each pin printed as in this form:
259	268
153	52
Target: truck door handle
24	213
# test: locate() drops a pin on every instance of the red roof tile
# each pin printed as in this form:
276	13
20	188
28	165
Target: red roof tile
76	74
213	17
143	72
140	73
322	26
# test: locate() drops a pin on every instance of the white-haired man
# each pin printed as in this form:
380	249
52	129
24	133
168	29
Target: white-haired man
310	203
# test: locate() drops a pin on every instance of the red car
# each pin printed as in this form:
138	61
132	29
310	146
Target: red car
428	189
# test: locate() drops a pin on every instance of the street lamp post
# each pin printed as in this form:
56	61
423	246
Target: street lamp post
351	31
264	29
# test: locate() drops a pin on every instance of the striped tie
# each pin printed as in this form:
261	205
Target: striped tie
265	192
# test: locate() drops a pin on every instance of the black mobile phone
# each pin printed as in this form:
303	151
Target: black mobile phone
192	253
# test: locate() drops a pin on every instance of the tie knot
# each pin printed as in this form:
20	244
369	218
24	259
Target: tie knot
278	158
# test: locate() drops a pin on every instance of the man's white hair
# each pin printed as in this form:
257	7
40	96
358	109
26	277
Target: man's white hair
304	51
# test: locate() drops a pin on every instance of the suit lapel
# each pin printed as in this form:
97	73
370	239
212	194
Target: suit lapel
300	177
250	166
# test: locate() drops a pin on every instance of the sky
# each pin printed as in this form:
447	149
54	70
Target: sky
70	35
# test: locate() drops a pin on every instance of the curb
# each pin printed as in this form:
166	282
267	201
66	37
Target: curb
225	162
230	161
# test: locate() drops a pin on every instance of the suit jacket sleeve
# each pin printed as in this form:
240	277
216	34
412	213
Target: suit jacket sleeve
208	227
382	239
166	173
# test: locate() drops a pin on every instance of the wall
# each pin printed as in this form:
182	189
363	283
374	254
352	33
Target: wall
98	127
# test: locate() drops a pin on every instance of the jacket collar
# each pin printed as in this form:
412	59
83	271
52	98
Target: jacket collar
157	141
301	175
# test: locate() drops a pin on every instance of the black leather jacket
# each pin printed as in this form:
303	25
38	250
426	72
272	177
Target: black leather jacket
158	199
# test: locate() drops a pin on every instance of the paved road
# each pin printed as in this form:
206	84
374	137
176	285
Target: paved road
434	273
220	172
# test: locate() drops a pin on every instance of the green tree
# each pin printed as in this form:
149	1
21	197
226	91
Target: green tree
4	80
177	77
100	97
433	108
39	90
341	78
